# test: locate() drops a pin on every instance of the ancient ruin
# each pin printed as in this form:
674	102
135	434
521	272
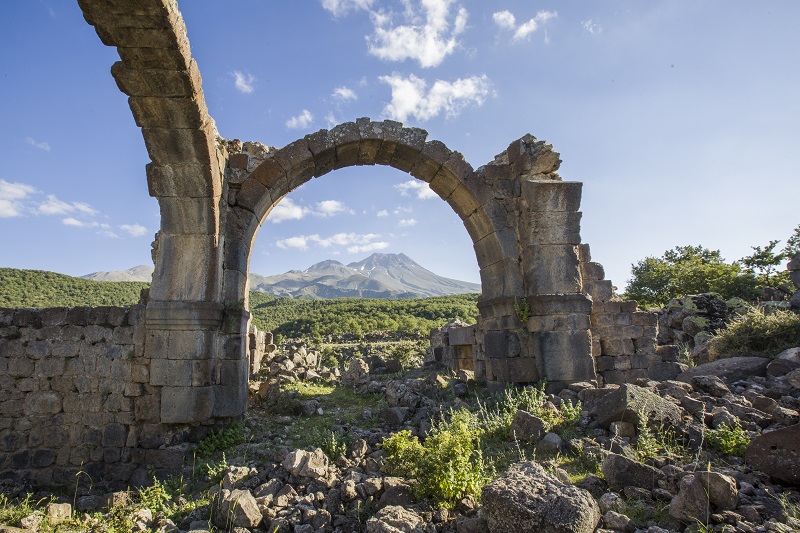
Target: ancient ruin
108	390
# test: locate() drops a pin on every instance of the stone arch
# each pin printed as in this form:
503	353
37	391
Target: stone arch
364	142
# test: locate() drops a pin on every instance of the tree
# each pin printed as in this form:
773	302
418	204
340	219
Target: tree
687	270
792	248
763	262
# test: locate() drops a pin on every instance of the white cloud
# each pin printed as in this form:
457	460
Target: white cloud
54	206
417	188
344	94
287	210
299	242
70	221
383	213
11	196
406	222
244	81
411	97
342	7
354	241
331	120
427	42
329	208
301	121
134	230
507	21
368	247
36	144
591	27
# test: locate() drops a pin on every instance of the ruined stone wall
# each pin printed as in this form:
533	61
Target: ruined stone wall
623	337
76	395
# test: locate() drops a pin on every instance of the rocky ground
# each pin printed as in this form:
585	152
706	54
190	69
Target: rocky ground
716	449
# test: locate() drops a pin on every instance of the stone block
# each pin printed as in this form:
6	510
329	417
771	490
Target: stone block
347	138
464	335
552	269
600	290
566	322
433	155
42	403
172	373
559	304
513	370
55	316
644	318
501	344
115	435
189	215
408	143
463	202
297	161
180	146
604	363
271	175
444	183
548	195
564	355
189	344
229	401
147	408
185	179
183	405
48	368
556	227
645	346
371	134
489	251
592	270
322	145
163	112
187	268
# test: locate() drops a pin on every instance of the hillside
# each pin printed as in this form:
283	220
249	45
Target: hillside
137	273
39	288
285	316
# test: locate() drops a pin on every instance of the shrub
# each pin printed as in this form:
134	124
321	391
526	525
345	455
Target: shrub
447	466
730	440
758	332
222	439
330	442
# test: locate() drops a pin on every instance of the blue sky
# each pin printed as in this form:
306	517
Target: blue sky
681	118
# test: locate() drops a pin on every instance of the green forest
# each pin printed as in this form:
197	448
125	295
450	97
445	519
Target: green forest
286	317
38	288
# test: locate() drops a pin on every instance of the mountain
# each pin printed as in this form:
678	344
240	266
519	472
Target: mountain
137	273
377	276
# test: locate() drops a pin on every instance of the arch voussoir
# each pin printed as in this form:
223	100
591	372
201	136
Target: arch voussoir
347	138
323	148
371	134
433	155
297	161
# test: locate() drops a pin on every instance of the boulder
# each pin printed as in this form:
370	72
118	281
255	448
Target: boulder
619	472
357	374
395	519
527	427
702	494
629	403
777	453
528	499
238	508
302	463
729	369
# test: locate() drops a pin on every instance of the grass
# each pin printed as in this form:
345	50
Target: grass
758	332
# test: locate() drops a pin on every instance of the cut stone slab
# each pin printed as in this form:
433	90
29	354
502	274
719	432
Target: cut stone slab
620	472
629	403
729	369
527	499
777	453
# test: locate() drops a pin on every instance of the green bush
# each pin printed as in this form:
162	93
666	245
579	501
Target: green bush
445	468
730	440
758	332
687	270
222	439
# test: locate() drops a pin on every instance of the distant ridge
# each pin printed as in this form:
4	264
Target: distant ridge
378	276
137	273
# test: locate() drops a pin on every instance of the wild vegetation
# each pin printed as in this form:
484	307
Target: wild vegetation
696	269
38	288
